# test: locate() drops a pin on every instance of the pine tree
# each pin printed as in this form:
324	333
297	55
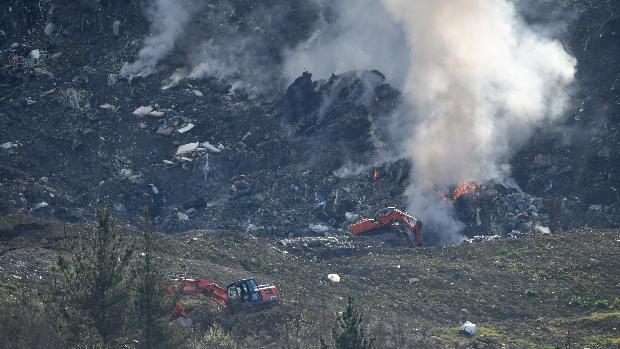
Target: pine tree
349	332
152	303
95	279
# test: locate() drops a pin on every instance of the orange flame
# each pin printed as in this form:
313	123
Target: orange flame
375	174
462	189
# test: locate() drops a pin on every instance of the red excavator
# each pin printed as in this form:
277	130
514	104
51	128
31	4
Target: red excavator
391	218
241	293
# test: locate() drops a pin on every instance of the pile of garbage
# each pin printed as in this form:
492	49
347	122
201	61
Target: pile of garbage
497	209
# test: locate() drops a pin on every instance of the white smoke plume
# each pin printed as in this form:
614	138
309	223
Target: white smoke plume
480	81
477	81
351	35
168	23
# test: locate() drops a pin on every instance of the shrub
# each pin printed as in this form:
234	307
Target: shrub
215	338
349	332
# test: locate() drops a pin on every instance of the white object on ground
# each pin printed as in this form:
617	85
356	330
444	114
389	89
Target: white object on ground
333	277
9	145
318	228
143	110
542	229
468	328
40	205
157	114
187	148
211	147
186	128
107	106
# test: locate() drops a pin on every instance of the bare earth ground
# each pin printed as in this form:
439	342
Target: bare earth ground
528	292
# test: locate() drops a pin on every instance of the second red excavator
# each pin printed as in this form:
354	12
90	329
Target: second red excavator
391	218
241	293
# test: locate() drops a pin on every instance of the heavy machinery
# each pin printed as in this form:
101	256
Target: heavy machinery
241	293
394	219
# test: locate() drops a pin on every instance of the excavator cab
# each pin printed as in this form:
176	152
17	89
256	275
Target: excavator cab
243	291
247	292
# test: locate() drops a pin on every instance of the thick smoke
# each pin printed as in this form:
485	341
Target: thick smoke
477	81
480	81
351	35
238	42
168	23
476	77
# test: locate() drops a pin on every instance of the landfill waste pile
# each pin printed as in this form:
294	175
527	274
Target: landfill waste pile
134	105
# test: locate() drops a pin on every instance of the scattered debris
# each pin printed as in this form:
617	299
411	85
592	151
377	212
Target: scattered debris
143	110
50	28
108	106
187	148
186	128
210	147
542	229
333	278
468	329
165	130
40	205
182	216
10	145
116	28
157	114
318	228
35	54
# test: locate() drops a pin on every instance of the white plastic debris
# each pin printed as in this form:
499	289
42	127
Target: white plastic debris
197	93
50	28
36	54
351	216
333	278
211	147
468	329
542	229
9	145
318	228
126	172
116	28
40	205
182	216
164	130
107	106
167	162
186	128
154	189
187	148
143	110
221	146
157	113
185	159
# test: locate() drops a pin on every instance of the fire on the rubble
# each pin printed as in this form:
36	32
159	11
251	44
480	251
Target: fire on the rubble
375	174
462	189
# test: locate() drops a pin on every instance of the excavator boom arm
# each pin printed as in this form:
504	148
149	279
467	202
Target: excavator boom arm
386	219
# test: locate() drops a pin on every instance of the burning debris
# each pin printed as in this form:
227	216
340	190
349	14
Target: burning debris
460	190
